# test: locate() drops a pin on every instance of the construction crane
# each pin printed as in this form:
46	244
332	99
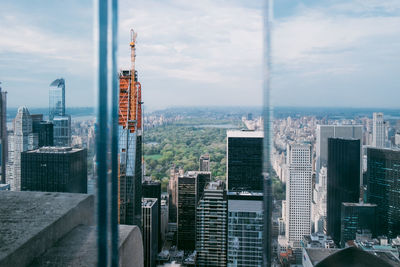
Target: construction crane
130	142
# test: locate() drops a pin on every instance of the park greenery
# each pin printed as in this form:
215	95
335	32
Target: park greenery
181	144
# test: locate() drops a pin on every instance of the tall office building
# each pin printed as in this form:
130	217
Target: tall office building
24	139
343	180
356	217
150	230
334	131
44	130
190	190
245	229
130	142
173	193
211	227
60	120
152	189
244	160
298	193
204	163
378	130
384	188
54	169
3	136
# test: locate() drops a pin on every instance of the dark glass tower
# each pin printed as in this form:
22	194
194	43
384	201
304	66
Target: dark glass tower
190	191
150	230
244	163
54	169
44	130
356	217
343	183
384	188
152	189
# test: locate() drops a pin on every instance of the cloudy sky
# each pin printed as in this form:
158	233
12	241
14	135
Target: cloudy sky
195	53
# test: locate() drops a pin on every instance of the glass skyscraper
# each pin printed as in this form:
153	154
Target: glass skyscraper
383	177
343	180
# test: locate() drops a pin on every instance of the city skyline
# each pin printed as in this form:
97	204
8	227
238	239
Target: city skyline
203	52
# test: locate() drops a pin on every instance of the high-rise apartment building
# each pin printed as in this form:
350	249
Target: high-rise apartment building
356	217
298	193
384	188
23	139
343	180
173	193
152	189
378	130
3	136
60	120
54	169
320	202
244	160
190	189
211	227
245	229
150	230
334	131
204	163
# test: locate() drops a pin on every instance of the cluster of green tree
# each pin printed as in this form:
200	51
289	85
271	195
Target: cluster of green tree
182	146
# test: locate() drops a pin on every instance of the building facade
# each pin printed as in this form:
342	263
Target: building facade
356	217
152	189
298	194
378	130
150	230
204	163
244	160
343	180
384	188
245	229
54	169
186	219
3	136
211	227
334	131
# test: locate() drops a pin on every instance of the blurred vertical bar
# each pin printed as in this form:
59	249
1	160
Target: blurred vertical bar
101	137
267	115
114	136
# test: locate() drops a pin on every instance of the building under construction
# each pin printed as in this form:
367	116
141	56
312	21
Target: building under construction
130	144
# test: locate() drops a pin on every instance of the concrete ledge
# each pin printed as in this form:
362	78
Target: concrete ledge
79	248
32	222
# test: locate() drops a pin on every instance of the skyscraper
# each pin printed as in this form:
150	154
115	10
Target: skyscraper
334	131
3	136
211	227
356	217
298	193
130	142
204	163
44	130
343	180
54	169
57	98
152	189
24	139
61	121
190	190
245	229
384	188
244	160
150	230
186	219
378	130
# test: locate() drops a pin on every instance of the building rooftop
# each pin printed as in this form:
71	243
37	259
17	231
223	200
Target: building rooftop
244	134
55	149
318	254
